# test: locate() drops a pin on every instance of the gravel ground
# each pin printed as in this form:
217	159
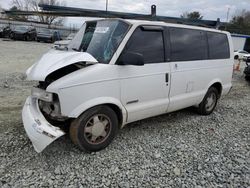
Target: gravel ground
180	149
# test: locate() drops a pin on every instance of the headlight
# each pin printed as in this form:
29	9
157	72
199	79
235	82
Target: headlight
42	94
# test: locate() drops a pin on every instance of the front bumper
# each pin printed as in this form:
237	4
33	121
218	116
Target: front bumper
39	130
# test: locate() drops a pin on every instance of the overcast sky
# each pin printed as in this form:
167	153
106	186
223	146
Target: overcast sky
210	9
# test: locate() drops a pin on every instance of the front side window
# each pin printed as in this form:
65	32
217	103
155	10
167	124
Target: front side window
188	44
100	38
148	43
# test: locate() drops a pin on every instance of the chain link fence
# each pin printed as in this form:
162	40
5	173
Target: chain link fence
64	31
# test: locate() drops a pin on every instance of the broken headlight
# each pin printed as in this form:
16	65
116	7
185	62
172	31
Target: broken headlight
42	94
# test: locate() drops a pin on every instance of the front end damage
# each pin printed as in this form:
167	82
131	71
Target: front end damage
41	114
38	129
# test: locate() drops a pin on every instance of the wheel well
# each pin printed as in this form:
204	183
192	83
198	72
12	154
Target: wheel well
218	86
115	108
118	112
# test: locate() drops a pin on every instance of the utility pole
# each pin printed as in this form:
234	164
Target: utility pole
107	2
228	10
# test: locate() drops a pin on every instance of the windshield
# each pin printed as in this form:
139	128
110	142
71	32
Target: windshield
100	38
21	28
45	31
243	52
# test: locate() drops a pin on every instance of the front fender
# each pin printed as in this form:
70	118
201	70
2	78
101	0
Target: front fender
98	101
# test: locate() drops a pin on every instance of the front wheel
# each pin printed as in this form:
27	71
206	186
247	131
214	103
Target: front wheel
209	102
247	78
95	129
12	36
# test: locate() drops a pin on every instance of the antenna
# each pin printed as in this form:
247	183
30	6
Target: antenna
228	11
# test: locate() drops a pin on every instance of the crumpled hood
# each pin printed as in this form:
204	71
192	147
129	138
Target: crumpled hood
54	60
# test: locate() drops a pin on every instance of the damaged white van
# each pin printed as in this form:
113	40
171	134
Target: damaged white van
118	71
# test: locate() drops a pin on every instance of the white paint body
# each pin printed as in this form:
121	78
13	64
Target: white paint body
121	85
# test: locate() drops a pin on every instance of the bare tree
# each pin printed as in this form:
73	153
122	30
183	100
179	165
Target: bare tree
1	15
32	5
242	18
240	23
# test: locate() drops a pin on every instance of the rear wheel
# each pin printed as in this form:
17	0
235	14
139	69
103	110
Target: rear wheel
94	129
209	102
27	38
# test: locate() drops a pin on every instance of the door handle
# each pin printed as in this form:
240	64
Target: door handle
166	78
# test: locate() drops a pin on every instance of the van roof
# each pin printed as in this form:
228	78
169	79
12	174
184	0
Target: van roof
161	23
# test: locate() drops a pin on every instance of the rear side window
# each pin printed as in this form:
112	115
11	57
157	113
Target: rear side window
148	43
218	45
188	44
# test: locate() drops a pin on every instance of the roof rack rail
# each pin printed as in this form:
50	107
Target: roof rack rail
80	12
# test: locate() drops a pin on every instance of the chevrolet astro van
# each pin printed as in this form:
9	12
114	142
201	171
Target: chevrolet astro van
117	71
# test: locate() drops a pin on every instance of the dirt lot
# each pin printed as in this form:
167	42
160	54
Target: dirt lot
180	149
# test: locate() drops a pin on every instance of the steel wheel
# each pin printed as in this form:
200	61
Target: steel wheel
97	129
210	102
94	129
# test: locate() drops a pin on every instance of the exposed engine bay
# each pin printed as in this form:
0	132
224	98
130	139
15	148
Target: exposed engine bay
61	73
51	108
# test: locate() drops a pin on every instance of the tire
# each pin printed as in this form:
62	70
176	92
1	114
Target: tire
247	78
236	57
95	129
211	97
12	36
27	38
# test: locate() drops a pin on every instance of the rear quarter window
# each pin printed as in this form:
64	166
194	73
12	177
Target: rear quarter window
218	46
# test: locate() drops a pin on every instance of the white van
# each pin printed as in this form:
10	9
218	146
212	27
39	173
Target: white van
116	71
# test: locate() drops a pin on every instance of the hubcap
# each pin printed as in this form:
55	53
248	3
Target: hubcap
210	102
97	129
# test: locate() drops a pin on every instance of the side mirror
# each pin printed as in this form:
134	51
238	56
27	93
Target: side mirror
131	58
